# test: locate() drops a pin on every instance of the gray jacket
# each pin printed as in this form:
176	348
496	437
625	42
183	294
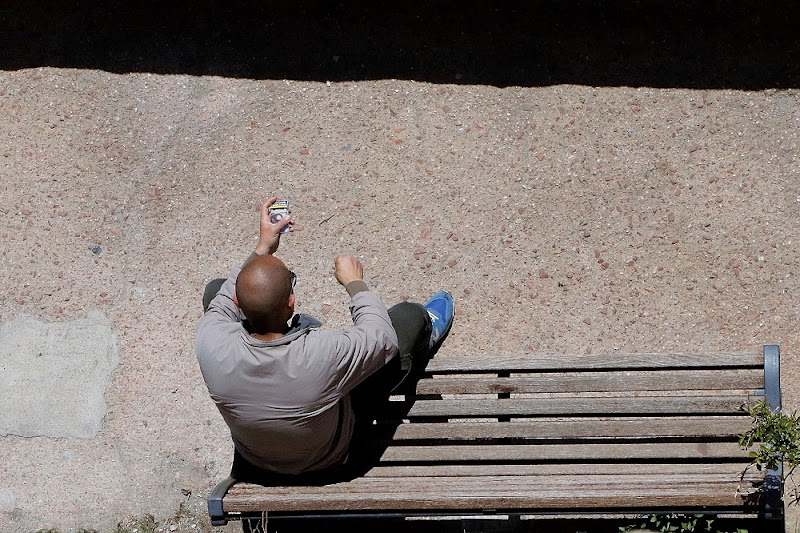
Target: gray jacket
286	401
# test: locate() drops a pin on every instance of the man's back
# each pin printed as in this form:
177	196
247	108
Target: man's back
286	400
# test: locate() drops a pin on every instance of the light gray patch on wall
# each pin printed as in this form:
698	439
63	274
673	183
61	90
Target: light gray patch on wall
7	501
53	376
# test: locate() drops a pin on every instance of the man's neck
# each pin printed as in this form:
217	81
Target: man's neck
267	336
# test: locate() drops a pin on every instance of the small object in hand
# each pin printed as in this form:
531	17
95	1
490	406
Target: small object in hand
277	211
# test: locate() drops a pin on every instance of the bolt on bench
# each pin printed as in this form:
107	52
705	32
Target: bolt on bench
538	435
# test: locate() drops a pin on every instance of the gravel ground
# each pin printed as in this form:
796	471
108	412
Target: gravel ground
563	218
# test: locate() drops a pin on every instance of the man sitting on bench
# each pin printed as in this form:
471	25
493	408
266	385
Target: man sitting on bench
296	397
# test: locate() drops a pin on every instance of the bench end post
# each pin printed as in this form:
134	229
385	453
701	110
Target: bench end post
772	376
773	479
215	497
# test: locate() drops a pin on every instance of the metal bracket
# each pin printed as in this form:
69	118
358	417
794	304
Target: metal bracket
772	376
215	511
773	480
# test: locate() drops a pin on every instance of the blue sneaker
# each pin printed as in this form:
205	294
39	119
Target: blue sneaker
440	308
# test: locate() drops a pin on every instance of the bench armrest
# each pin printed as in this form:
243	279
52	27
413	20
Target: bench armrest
215	511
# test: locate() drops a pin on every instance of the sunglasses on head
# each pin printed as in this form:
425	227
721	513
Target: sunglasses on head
294	280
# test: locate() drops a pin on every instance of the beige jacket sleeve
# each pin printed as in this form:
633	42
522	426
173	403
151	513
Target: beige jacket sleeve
367	346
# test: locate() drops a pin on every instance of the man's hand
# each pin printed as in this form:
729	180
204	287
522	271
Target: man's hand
347	268
270	233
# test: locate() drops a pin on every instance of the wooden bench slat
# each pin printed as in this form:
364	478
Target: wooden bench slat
666	380
536	484
577	470
504	484
484	493
491	407
487	484
563	452
486	363
549	428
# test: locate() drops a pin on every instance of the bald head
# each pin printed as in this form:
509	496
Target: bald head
263	291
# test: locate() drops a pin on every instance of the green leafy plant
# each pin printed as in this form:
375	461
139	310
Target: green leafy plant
776	437
677	523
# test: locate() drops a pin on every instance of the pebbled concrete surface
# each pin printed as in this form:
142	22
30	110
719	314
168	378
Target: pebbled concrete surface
564	219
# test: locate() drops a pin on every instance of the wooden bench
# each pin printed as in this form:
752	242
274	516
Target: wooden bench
536	435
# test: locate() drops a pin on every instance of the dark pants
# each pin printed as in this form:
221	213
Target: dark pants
212	288
413	327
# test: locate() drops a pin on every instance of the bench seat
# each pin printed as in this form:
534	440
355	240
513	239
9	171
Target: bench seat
585	434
